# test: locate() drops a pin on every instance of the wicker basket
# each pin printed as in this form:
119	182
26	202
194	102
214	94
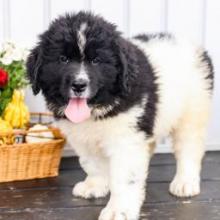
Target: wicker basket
30	161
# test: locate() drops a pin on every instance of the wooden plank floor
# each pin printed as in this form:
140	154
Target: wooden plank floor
51	199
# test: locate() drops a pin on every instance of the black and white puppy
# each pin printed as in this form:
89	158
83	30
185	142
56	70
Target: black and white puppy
115	97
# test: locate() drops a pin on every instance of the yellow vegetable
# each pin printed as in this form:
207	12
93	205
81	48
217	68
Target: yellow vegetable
16	112
5	127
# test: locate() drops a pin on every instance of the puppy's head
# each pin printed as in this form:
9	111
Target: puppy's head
80	58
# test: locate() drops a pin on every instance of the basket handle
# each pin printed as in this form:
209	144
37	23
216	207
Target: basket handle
41	113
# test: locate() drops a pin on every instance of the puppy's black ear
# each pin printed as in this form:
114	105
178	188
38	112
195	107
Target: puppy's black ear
124	70
127	64
33	65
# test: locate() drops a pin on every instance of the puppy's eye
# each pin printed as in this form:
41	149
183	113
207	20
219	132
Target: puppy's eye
63	59
95	61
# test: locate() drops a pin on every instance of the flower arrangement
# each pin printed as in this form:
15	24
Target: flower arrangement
27	150
12	81
12	72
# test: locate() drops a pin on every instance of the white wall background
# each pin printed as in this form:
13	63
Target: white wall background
22	20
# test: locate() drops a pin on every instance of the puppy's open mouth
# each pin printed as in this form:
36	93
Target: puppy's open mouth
77	110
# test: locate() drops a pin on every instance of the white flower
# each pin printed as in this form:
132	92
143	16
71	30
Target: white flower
12	52
8	47
6	59
17	54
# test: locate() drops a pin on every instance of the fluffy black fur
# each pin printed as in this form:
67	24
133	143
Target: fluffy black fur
206	59
147	37
118	70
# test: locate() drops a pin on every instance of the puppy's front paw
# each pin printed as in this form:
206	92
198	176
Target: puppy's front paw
185	187
110	213
91	188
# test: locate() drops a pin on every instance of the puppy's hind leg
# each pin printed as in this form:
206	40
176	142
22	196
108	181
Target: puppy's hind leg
188	143
96	184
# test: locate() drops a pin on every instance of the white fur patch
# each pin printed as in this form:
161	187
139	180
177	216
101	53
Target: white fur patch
82	75
82	38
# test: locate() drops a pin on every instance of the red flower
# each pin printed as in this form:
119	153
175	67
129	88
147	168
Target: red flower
3	78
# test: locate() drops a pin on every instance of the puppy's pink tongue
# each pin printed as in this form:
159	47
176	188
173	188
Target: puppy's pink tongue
77	110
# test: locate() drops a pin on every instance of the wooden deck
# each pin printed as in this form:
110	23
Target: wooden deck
51	199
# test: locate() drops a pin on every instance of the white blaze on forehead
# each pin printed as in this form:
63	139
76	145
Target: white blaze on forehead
82	38
82	75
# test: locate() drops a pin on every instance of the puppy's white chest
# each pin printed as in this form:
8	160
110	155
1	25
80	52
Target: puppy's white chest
98	136
89	134
84	136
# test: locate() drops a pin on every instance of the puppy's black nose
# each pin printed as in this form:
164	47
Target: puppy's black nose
79	86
